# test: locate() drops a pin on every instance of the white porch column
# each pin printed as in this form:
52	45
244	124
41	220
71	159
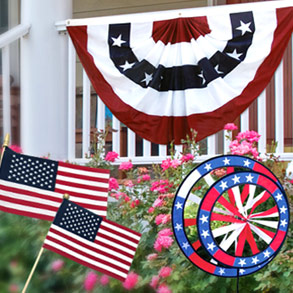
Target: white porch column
44	79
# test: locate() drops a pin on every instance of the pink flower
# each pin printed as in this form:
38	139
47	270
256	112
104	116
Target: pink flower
146	177
128	183
154	282
152	256
162	219
131	281
242	148
113	184
163	242
165	232
163	288
165	272
104	280
13	288
125	166
166	164
57	265
158	203
126	198
90	281
151	210
250	135
111	156
175	163
137	202
16	148
230	126
187	158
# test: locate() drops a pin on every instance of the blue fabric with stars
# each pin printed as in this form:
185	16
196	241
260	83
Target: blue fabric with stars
22	169
77	220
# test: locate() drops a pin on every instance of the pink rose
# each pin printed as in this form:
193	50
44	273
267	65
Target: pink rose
165	232
111	156
163	288
166	164
165	272
131	281
146	177
128	183
187	158
158	203
57	265
126	198
125	166
230	126
113	184
175	163
90	281
163	242
154	282
151	210
104	280
13	288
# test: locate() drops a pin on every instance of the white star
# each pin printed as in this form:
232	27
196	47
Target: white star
118	41
222	271
266	254
211	246
178	205
242	262
185	245
241	271
147	79
202	77
279	196
236	179
234	54
283	223
205	233
208	167
255	260
283	210
226	161
244	27
178	227
223	185
246	163
204	219
218	70
126	65
249	178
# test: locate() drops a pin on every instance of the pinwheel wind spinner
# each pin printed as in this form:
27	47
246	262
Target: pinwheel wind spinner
241	221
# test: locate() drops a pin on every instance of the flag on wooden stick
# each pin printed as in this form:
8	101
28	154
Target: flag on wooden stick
34	187
92	241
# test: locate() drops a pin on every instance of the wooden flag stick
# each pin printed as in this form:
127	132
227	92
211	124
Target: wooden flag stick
4	145
65	196
33	270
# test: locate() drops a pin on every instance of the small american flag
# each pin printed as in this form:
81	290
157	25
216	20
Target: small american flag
34	187
92	241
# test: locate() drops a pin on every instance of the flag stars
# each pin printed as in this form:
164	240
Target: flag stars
127	65
242	262
204	219
236	179
279	196
223	185
178	205
235	55
148	78
178	227
207	167
246	163
205	233
222	271
185	245
255	260
226	161
118	41
211	246
249	178
283	223
244	27
283	210
266	254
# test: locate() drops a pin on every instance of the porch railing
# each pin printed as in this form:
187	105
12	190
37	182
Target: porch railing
6	39
214	144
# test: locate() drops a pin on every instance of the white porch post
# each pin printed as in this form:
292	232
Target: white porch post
44	79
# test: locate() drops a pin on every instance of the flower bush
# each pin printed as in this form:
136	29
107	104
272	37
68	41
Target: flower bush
142	201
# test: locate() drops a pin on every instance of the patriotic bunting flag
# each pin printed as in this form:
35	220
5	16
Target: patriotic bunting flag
34	187
164	73
92	241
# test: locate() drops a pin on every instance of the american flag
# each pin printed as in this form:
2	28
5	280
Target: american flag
164	73
92	241
34	187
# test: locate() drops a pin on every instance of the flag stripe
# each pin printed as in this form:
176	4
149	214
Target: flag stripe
123	230
91	181
86	263
96	246
82	170
79	190
71	182
21	212
84	251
